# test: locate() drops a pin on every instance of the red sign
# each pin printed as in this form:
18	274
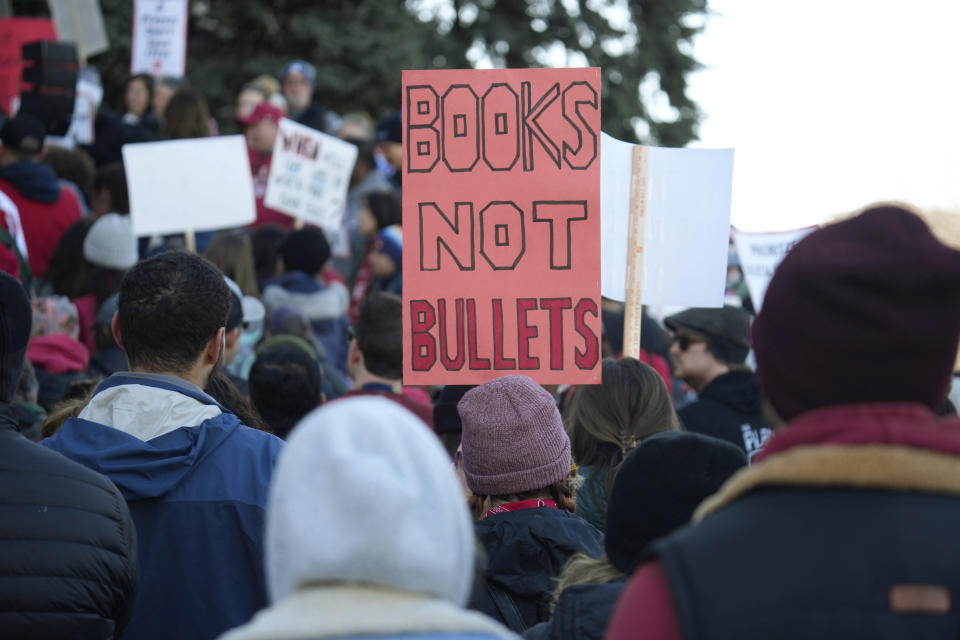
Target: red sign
501	221
15	32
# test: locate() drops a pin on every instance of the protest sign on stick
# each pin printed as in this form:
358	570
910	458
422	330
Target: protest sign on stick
309	175
189	185
158	45
501	204
760	253
15	32
80	22
683	196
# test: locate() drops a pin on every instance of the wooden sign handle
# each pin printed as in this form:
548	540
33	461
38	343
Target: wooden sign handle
636	236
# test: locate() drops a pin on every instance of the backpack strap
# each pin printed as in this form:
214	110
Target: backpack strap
507	608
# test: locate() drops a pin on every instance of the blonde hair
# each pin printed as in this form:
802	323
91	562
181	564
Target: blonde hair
232	252
584	569
64	410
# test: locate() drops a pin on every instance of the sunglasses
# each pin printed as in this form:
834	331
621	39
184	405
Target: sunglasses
684	341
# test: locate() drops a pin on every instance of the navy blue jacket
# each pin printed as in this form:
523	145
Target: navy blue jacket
197	495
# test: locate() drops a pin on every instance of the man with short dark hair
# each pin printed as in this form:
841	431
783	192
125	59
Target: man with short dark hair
375	359
33	196
709	348
846	525
285	383
194	476
68	562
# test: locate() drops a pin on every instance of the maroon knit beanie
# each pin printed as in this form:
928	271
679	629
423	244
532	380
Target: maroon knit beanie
513	437
865	310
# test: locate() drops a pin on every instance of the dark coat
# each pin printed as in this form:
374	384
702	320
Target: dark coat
526	551
68	563
729	408
582	613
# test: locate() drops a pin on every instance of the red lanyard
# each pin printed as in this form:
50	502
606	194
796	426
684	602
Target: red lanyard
519	506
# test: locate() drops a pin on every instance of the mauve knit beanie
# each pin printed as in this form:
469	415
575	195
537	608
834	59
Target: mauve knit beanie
864	310
513	438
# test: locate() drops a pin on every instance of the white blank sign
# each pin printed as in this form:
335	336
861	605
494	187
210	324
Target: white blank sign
200	184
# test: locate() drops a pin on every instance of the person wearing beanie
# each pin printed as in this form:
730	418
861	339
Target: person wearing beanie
305	286
68	564
846	524
516	461
386	261
35	208
606	421
299	79
709	347
286	383
110	243
367	533
389	137
657	489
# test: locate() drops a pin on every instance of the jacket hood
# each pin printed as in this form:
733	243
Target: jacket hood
363	493
34	180
527	549
145	468
298	290
582	612
58	353
736	389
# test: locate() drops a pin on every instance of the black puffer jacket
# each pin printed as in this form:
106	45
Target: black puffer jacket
582	613
526	551
68	562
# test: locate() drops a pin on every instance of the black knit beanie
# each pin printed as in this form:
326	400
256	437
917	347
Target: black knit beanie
659	486
305	250
864	310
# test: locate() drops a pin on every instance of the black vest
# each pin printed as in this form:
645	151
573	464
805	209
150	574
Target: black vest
792	563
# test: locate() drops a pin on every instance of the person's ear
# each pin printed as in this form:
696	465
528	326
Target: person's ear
215	345
115	329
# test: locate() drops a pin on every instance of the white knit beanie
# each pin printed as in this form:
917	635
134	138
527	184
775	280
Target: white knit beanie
110	242
363	493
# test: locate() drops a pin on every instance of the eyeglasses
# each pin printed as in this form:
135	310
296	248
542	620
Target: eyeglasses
684	341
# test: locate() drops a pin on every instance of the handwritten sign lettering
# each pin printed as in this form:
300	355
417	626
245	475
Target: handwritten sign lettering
159	41
310	174
501	205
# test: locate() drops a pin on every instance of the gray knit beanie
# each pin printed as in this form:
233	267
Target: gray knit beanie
513	437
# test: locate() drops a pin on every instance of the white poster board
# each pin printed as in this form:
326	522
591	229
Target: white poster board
687	223
81	22
760	253
158	45
310	174
199	184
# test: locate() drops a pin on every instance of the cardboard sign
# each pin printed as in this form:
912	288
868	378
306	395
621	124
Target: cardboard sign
198	184
760	253
15	32
80	22
501	204
309	174
158	45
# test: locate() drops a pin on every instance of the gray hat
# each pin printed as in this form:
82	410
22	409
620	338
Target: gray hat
727	330
110	242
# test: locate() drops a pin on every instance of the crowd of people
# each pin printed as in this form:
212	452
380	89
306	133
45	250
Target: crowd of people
219	443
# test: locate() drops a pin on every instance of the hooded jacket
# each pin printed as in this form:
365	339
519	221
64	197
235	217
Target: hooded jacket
367	533
195	479
68	562
729	408
46	208
325	307
581	613
526	551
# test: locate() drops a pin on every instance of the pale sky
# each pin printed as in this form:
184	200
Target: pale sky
831	105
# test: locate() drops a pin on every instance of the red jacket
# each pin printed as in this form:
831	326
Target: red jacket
646	608
44	220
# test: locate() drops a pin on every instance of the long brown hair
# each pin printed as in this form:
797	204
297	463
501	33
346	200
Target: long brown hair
186	116
232	251
605	421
